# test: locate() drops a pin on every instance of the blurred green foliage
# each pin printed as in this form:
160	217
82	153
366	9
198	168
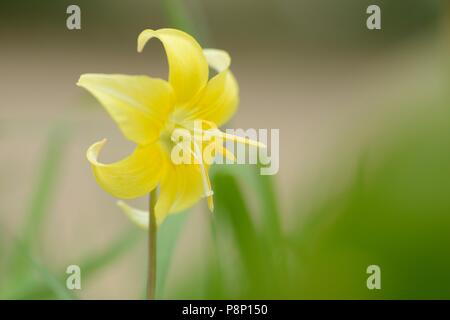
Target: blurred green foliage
22	267
24	275
395	214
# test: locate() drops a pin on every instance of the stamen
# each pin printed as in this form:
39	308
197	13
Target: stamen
205	177
208	192
230	137
228	154
212	131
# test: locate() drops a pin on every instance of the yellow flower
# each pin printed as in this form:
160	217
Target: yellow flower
149	110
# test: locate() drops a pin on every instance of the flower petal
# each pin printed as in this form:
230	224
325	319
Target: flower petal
180	189
139	104
131	177
219	100
188	69
137	216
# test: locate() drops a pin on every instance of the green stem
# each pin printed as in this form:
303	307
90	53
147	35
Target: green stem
151	271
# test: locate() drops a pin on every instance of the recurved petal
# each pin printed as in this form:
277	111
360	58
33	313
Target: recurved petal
131	177
219	99
137	216
138	104
188	69
180	189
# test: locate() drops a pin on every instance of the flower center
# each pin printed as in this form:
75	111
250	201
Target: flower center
169	139
189	137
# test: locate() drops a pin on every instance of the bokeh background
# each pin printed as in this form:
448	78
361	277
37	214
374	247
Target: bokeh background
364	174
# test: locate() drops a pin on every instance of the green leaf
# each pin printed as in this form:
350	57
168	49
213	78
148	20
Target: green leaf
45	186
168	234
36	273
232	210
56	286
262	187
43	192
265	189
99	260
49	285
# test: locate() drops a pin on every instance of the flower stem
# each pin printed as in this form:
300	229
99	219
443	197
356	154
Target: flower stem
151	269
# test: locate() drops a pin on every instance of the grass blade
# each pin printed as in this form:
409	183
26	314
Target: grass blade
167	239
43	192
